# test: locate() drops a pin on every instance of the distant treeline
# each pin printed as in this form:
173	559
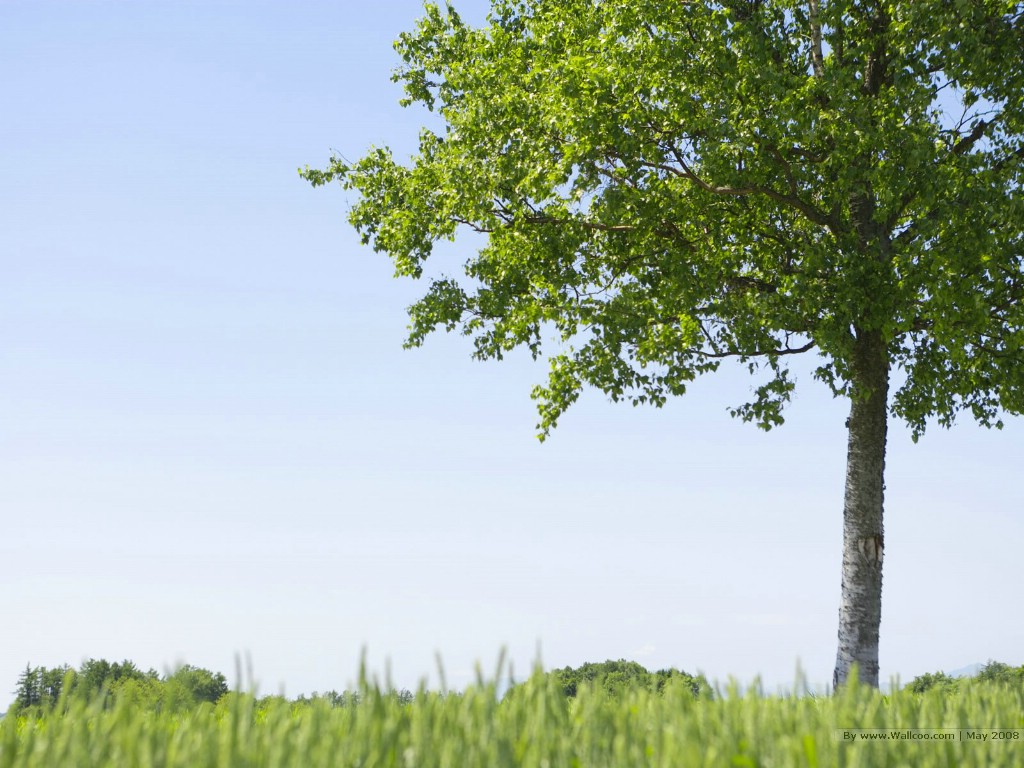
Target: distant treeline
993	672
41	688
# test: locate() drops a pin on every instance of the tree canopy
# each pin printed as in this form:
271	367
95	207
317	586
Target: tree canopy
669	183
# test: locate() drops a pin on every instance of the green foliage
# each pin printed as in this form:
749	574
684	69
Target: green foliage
994	673
352	698
330	698
1002	674
99	676
618	677
144	693
538	727
933	680
662	185
197	685
41	687
108	684
98	680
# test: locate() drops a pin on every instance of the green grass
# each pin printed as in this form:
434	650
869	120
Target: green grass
537	726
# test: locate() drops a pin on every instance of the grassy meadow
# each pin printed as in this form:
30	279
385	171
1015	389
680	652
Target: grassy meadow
536	725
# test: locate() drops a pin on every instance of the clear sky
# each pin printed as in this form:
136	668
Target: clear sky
212	443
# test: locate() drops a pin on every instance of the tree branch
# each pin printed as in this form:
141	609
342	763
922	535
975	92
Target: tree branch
960	148
787	350
746	281
968	141
509	218
817	60
813	214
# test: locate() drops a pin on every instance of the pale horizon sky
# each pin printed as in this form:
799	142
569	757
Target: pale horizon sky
213	445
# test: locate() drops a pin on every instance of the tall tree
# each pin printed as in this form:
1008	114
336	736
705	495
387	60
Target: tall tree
41	686
29	690
663	184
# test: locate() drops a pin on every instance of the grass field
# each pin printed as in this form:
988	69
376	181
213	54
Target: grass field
536	726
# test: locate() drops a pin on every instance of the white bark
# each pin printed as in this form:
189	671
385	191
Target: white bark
814	17
860	609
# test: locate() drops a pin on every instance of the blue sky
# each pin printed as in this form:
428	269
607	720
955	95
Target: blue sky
212	443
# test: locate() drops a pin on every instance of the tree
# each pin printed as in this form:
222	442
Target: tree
614	677
53	681
29	690
662	185
197	684
179	690
99	677
42	687
930	680
1002	674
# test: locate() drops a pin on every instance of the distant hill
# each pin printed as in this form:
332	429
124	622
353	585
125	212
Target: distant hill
969	671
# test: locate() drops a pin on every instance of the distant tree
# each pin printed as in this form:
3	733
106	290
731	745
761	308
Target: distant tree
1003	674
198	684
353	698
403	696
930	680
53	681
614	677
698	685
94	675
179	690
661	185
98	677
29	691
343	699
41	686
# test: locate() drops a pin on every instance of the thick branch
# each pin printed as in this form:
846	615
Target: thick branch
762	352
717	353
794	202
968	141
746	281
875	68
817	61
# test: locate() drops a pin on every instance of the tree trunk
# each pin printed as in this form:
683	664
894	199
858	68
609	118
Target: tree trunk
860	609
